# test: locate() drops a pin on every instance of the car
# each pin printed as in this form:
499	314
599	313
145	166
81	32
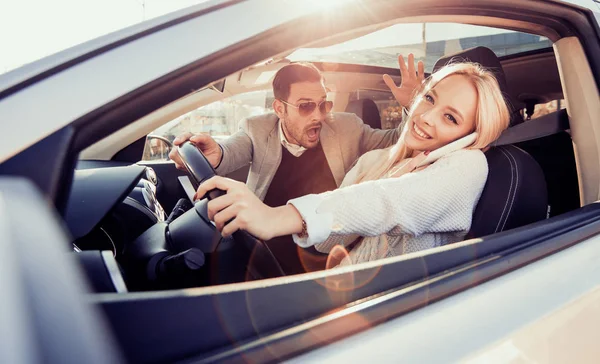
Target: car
106	260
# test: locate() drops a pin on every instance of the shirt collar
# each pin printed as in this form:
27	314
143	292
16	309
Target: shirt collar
294	149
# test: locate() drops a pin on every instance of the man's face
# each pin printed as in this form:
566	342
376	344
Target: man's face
300	129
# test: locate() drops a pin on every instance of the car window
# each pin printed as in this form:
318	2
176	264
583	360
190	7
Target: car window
220	119
545	108
390	111
427	41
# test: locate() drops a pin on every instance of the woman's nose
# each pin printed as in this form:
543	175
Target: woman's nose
427	117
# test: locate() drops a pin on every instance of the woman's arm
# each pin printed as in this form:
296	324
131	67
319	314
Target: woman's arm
440	198
240	209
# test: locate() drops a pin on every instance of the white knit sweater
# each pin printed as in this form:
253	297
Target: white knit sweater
416	211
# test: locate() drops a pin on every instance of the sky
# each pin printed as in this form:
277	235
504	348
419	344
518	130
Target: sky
32	29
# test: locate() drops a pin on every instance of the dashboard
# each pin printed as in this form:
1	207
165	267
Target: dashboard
113	207
110	206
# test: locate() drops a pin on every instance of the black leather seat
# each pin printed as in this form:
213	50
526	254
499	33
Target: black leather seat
546	140
556	156
367	110
515	192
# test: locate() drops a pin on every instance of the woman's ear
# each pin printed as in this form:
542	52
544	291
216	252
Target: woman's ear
279	108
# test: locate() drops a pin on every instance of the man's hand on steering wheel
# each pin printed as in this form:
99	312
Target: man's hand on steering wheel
240	209
204	142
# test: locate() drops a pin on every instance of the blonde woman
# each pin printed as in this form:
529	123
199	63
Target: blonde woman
419	194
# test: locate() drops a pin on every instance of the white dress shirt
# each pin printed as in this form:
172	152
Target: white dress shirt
294	149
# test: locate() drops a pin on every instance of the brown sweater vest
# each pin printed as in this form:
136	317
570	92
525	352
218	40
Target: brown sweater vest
295	177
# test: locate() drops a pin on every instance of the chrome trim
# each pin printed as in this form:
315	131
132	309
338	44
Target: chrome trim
151	176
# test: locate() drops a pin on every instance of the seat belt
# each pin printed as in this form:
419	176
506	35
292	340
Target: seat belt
546	125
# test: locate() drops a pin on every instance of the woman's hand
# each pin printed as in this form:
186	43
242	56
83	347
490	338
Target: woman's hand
411	80
240	209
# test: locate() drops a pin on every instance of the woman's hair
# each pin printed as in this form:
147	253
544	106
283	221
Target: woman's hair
491	118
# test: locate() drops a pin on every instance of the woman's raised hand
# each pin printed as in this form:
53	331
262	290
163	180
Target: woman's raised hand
410	82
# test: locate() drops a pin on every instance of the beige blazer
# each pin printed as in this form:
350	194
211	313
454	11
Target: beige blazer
344	138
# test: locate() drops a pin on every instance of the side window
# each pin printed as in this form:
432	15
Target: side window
220	119
390	110
546	108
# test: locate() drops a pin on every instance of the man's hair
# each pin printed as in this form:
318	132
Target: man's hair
294	73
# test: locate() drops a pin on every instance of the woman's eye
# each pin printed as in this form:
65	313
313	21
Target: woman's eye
451	118
429	99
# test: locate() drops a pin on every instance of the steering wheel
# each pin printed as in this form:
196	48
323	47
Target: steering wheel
261	261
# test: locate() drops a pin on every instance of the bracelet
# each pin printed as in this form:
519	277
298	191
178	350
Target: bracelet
304	233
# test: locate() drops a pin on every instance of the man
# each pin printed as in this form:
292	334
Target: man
300	149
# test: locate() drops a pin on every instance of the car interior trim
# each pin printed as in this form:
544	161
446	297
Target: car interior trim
581	94
114	272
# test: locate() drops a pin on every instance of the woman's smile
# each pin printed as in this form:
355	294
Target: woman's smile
420	132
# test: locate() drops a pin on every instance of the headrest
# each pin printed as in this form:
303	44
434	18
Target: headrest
367	110
543	126
488	59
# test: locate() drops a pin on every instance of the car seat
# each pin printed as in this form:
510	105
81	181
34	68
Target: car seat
515	191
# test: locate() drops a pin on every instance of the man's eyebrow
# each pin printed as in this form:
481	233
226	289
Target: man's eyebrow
309	99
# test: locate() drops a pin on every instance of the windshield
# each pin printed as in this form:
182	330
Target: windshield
427	41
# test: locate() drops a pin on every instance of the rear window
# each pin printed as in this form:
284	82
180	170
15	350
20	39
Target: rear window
427	41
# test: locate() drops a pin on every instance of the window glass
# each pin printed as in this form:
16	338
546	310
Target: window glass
427	41
546	108
390	110
220	119
156	149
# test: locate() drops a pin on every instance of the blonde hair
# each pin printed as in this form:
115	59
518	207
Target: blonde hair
491	118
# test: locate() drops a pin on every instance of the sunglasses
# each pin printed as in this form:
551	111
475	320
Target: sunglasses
307	108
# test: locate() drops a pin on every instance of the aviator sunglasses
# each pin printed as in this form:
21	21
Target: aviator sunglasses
306	108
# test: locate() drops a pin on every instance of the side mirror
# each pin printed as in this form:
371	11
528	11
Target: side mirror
157	148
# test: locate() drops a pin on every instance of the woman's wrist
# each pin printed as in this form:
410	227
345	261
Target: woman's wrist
288	220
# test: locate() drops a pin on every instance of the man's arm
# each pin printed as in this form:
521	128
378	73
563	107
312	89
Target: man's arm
237	151
375	138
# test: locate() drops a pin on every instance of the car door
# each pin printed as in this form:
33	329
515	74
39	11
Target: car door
279	318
